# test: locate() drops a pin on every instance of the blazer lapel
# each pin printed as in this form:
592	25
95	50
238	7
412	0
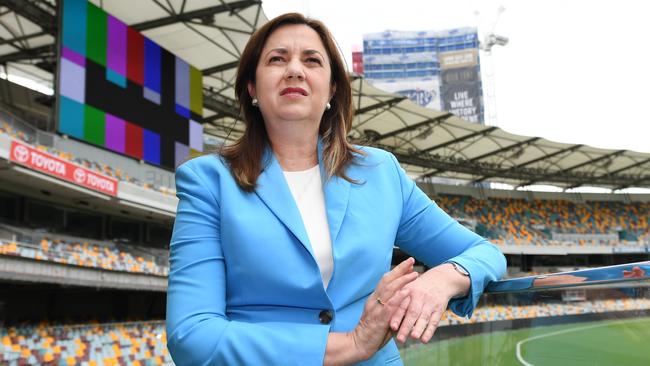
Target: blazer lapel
273	190
337	193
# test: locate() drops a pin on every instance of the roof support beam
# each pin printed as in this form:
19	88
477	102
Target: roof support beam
614	172
220	104
533	161
386	103
219	68
505	148
32	53
22	38
34	13
494	152
564	171
632	183
194	14
213	118
483	132
426	122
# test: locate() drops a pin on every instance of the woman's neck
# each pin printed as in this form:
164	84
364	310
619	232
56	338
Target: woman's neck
295	155
295	150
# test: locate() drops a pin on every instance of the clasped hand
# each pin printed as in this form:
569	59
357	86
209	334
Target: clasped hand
406	304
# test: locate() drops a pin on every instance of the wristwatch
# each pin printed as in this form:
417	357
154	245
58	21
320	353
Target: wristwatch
459	268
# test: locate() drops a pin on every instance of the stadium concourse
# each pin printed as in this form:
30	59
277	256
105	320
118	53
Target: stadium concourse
84	231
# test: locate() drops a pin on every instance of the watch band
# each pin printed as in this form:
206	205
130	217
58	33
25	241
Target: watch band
460	269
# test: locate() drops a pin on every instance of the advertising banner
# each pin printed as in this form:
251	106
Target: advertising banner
461	84
424	92
51	165
456	59
464	100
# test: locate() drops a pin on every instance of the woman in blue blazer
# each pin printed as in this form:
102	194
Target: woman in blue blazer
246	284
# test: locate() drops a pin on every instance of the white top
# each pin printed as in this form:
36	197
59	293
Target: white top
307	191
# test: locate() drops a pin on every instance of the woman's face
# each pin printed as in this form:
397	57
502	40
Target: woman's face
293	76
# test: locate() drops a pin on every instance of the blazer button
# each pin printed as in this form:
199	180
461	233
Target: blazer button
325	316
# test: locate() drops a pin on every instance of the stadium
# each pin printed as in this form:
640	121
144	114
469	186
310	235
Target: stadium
87	211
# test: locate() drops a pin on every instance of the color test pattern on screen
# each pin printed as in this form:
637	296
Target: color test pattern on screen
122	91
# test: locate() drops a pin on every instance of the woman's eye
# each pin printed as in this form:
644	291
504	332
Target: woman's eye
314	60
275	59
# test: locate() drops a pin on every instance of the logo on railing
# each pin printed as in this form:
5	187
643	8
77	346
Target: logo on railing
79	176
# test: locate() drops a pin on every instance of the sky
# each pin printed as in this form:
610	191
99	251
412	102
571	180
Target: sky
573	71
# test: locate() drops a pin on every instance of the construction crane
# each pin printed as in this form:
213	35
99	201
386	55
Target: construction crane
491	39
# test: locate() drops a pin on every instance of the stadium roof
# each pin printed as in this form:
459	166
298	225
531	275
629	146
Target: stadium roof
210	35
434	143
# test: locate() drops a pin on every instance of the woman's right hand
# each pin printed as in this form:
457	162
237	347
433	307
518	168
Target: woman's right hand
373	330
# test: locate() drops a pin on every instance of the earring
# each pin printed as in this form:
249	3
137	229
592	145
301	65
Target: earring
255	103
328	106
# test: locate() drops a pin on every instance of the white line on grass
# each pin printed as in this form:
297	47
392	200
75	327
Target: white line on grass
520	358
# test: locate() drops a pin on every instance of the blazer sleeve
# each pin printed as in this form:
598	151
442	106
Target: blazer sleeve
433	237
199	331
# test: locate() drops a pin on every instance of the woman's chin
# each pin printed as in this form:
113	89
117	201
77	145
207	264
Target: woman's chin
296	114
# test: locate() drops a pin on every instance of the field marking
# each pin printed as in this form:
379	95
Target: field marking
520	358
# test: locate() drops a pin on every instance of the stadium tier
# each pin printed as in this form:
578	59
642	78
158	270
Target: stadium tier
511	221
130	343
84	254
512	312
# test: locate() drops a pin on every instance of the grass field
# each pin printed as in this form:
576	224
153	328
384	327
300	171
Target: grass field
611	342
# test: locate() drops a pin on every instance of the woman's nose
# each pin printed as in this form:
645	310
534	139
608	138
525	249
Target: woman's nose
294	70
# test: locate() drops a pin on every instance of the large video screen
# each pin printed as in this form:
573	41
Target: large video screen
121	91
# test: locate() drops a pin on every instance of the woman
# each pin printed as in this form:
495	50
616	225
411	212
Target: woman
282	243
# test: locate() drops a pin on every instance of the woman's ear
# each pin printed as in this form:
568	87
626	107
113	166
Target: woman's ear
332	91
251	89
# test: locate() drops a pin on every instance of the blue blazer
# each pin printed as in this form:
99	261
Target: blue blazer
244	287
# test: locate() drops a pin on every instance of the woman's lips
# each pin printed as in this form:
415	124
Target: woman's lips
293	91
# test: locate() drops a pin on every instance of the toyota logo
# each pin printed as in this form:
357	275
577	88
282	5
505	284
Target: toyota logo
79	175
21	153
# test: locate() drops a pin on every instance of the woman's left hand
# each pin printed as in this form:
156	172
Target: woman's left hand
420	313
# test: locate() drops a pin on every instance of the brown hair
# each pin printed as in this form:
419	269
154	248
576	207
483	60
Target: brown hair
245	155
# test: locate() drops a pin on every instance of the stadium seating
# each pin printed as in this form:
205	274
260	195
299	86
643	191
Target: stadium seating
537	222
511	312
6	129
84	254
131	343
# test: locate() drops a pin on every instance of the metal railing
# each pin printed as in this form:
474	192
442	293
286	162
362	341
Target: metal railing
597	316
587	277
